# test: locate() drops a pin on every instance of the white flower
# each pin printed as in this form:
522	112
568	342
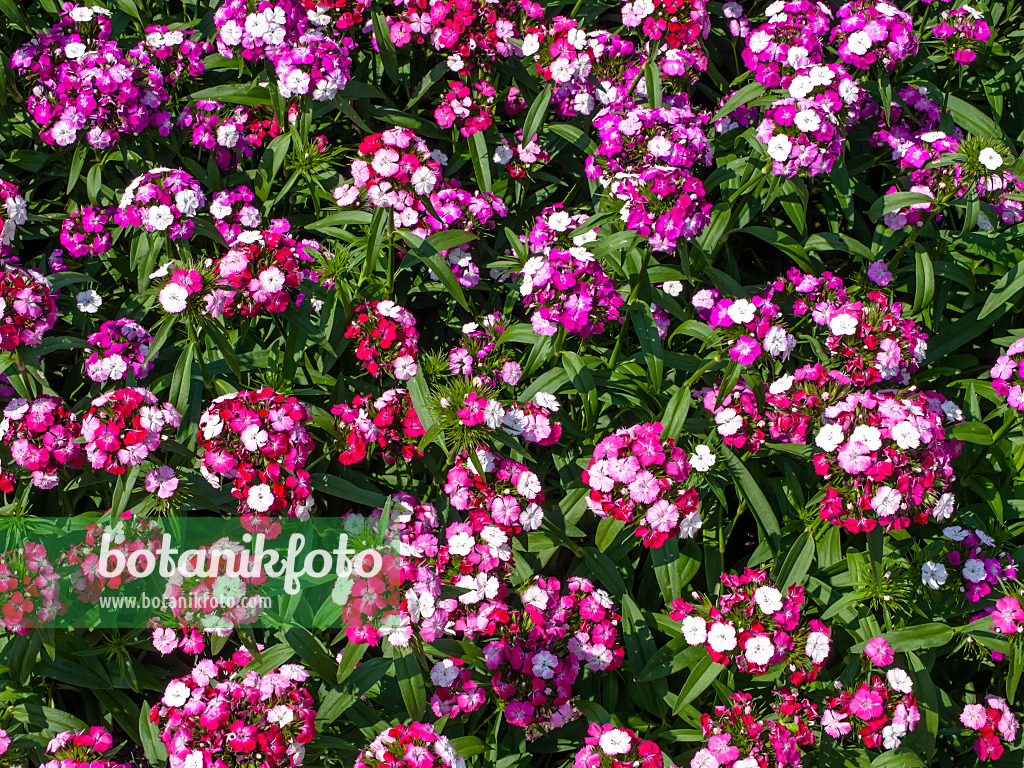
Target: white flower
695	630
817	647
193	759
176	693
423	180
892	735
502	155
955	533
672	287
974	570
74	50
933	575
781	384
800	86
81	14
984	538
260	497
722	637
829	437
160	217
461	543
778	343
689	525
729	421
807	120
990	159
899	680
943	507
858	43
906	436
560	221
528	485
886	501
779	147
272	280
843	324
494	414
531	44
702	459
952	411
228	135
659	146
741	311
455	63
615	742
88	301
444	673
547	400
768	599
868	436
759	650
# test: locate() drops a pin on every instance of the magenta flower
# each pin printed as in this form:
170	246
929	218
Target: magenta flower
745	350
866	704
879	651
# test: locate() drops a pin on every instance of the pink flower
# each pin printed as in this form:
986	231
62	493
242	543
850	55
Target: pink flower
879	651
973	716
866	704
745	350
835	725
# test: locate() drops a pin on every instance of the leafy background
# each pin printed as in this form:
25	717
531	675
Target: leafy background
964	286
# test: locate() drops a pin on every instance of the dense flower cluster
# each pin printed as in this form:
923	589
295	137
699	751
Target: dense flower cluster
562	282
124	426
1008	375
119	345
540	652
257	440
800	136
881	711
128	534
975	561
84	82
519	157
790	40
41	435
886	460
994	723
496	490
13	213
617	747
740	736
260	273
873	32
85	232
227	131
467	107
640	477
389	422
29	589
257	30
963	29
314	65
28	307
81	749
234	213
416	745
224	712
677	22
162	200
756	625
387	339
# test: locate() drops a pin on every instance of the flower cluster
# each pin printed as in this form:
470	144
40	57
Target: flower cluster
119	345
499	491
677	22
747	328
801	136
81	749
260	31
881	711
130	533
994	723
520	157
182	289
740	736
13	213
455	691
562	283
873	32
314	65
226	131
85	232
257	440
466	107
886	460
260	273
82	81
963	29
226	713
757	626
28	307
234	213
162	200
1008	375
639	477
29	589
976	562
41	435
540	652
387	339
389	422
416	745
661	204
790	40
618	748
394	169
123	427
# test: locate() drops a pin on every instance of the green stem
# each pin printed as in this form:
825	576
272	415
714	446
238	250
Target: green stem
626	320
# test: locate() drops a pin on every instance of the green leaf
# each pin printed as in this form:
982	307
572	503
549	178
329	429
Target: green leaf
429	255
386	48
149	735
481	160
343	489
895	201
313	653
76	166
702	675
410	682
797	563
650	343
536	114
749	489
971	432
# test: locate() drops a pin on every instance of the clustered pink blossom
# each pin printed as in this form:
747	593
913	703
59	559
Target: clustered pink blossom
81	749
261	272
417	745
13	213
873	33
480	355
886	460
182	288
541	650
789	41
740	736
677	22
1008	375
520	157
563	284
963	29
388	422
336	14
756	625
28	305
225	130
162	200
124	426
257	441
119	345
978	565
85	232
994	723
228	714
314	65
83	81
41	435
640	477
496	491
234	213
29	589
467	107
387	339
801	136
257	30
616	748
880	711
131	533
